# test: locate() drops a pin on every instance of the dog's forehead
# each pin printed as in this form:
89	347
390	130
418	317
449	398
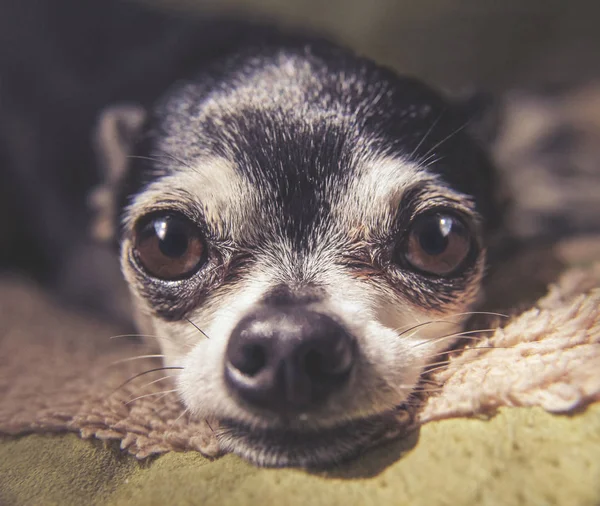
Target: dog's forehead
296	104
283	144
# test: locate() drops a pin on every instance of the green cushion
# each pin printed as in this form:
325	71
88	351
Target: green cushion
519	456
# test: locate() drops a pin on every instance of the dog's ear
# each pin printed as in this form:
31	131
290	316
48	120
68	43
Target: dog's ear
481	112
117	130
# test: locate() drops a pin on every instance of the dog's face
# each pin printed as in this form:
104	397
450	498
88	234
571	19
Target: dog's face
311	214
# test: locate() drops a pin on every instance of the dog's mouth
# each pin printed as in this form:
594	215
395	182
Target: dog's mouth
311	448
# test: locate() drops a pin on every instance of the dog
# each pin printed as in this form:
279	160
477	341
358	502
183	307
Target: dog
306	231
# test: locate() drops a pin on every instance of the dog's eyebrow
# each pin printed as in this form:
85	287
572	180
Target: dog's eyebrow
210	190
385	185
435	195
377	188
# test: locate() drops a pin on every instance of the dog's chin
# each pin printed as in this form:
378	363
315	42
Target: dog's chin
310	448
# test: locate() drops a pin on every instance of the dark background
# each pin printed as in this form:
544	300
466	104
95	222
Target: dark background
451	43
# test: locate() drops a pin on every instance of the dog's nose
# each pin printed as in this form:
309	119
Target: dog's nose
288	359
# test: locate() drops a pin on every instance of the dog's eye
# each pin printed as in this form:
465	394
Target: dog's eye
438	243
169	246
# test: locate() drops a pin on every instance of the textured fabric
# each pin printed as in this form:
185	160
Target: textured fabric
549	356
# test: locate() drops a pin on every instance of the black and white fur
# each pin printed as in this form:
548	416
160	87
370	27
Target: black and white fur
304	166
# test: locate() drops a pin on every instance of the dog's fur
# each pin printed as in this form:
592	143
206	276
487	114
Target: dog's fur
304	167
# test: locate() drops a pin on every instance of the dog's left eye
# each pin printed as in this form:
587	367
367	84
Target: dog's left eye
438	243
169	246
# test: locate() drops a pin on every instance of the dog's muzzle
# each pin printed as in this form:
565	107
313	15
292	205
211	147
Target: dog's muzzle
288	359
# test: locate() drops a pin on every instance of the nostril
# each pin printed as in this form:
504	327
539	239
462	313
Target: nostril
255	359
331	362
313	364
248	358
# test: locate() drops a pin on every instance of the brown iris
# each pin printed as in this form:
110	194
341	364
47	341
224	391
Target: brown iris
169	246
438	243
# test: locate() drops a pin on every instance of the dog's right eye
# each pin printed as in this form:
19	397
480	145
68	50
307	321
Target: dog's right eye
168	246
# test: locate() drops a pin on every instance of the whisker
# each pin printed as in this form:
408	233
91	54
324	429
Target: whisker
131	359
135	335
153	336
161	409
420	387
448	137
162	159
151	395
433	369
223	432
430	160
428	383
197	328
139	157
419	325
429	130
156	381
166	368
472	313
476	347
429	322
459	351
402	327
180	416
441	362
427	365
161	397
178	160
442	365
490	348
440	353
149	158
449	336
464	335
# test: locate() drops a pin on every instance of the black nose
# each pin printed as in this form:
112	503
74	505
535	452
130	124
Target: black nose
288	359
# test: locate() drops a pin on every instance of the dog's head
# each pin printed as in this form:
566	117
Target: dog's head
293	222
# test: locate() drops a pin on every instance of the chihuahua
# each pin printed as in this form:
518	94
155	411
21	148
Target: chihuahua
307	231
